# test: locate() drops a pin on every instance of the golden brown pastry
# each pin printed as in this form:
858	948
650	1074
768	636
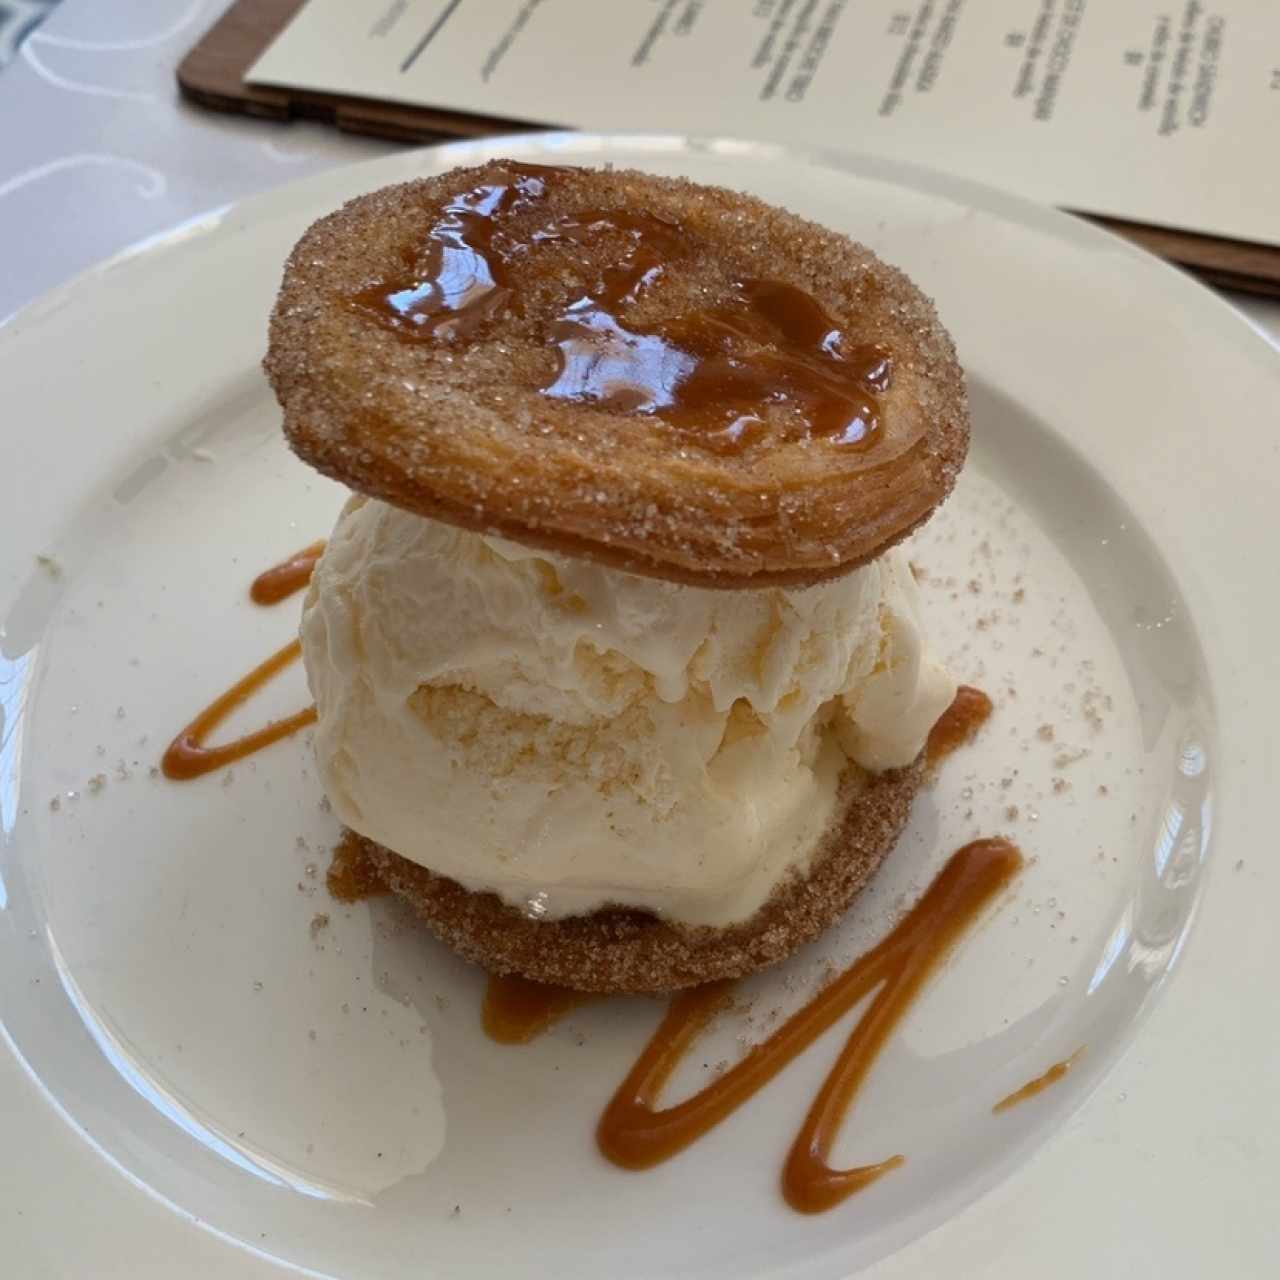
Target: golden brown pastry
570	401
674	379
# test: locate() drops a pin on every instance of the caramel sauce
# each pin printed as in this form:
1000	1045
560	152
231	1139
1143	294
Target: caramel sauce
516	1009
282	580
465	280
188	757
1038	1085
712	373
352	877
636	1134
968	712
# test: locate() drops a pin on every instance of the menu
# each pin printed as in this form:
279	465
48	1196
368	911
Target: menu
1158	111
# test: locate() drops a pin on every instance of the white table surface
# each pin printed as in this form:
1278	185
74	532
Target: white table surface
98	153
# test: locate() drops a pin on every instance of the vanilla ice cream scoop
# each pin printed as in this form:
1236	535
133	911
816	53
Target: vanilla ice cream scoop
570	736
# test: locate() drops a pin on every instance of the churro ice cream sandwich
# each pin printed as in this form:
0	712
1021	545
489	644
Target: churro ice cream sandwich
620	670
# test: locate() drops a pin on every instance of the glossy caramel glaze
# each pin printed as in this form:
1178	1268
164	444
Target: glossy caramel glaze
712	372
464	280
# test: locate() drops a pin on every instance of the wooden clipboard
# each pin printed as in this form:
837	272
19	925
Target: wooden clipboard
212	75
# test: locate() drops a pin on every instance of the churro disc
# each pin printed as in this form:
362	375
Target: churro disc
673	379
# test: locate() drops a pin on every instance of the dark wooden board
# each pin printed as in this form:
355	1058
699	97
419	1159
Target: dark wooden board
212	75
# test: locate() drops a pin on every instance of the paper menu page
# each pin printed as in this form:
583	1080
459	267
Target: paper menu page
1166	113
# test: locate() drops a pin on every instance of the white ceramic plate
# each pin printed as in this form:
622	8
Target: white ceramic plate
159	976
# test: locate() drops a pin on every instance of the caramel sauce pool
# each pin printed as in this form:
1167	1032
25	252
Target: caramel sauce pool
516	1009
969	711
636	1133
713	373
352	877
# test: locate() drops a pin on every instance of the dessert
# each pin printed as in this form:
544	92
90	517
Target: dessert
668	378
619	672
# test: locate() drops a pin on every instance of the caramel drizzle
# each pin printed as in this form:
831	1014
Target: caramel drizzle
187	756
635	1134
517	1009
1039	1084
969	711
282	580
352	875
715	372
